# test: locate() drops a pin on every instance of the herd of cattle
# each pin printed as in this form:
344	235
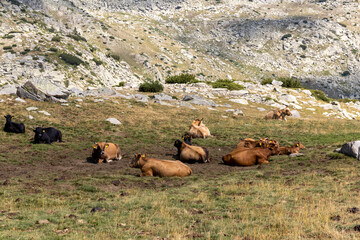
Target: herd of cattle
247	153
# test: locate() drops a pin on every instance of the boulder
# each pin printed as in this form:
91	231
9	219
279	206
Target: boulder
295	114
198	100
288	98
42	90
7	90
113	121
163	97
239	100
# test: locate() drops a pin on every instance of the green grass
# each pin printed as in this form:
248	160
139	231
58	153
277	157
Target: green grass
226	83
291	198
182	78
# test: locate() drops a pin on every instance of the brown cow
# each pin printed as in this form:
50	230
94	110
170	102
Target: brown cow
189	153
161	168
251	143
198	129
293	149
106	152
249	157
278	114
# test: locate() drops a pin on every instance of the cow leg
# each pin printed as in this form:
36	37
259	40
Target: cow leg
147	172
263	161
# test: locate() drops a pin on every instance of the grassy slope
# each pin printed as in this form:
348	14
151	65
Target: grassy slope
287	199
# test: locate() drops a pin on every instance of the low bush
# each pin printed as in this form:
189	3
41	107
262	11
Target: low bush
182	78
56	39
151	86
287	82
53	49
71	59
320	95
97	61
226	83
76	37
7	47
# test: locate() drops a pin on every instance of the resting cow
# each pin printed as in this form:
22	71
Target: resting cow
198	129
290	150
279	114
189	153
13	126
106	152
251	143
160	168
47	135
249	157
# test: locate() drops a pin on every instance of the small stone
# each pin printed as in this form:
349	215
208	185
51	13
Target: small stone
240	101
98	100
113	121
43	221
353	210
6	182
116	182
20	100
79	100
31	108
261	109
80	221
64	104
1	100
31	117
45	113
77	105
96	209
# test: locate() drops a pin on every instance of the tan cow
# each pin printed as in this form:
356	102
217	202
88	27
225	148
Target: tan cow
278	114
189	153
293	149
251	143
198	129
160	168
106	152
252	156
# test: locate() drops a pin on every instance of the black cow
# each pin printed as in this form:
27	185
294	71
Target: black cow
47	135
13	126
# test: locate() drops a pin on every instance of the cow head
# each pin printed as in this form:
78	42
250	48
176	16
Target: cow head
177	144
186	138
39	131
286	112
8	118
103	148
299	145
273	146
135	163
198	121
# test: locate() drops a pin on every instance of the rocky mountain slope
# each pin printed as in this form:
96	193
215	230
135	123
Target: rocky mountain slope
126	42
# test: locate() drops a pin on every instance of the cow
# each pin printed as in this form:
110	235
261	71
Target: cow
187	138
198	129
106	152
13	126
252	156
189	153
289	150
160	168
47	135
251	143
278	114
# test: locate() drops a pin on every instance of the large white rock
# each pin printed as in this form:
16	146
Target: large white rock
45	113
7	90
307	92
113	121
240	101
20	100
288	98
31	108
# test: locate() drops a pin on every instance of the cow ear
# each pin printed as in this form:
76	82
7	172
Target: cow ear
43	130
143	155
260	144
297	145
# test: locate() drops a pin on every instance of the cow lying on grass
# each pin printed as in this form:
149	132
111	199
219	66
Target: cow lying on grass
279	114
105	152
160	168
251	156
47	135
290	150
189	153
198	129
251	143
13	126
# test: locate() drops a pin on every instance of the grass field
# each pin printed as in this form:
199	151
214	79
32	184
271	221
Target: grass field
52	192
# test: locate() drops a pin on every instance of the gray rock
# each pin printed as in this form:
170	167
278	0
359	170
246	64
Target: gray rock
7	90
31	117
295	114
42	91
163	97
185	104
31	108
141	98
296	155
240	101
98	100
20	100
198	100
106	91
1	100
113	121
261	109
45	113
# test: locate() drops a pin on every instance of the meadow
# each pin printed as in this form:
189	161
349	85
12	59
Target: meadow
54	192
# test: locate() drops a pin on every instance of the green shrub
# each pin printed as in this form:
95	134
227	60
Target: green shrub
76	37
121	84
35	58
151	86
53	49
226	83
8	36
114	56
303	46
56	38
7	47
182	78
287	82
286	36
71	59
345	73
97	61
320	95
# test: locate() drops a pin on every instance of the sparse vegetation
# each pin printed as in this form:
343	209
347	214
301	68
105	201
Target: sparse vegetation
97	61
287	82
53	49
76	37
121	84
182	78
71	59
7	47
151	86
320	95
56	38
226	83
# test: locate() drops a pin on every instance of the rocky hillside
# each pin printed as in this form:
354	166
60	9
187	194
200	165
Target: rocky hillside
90	44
